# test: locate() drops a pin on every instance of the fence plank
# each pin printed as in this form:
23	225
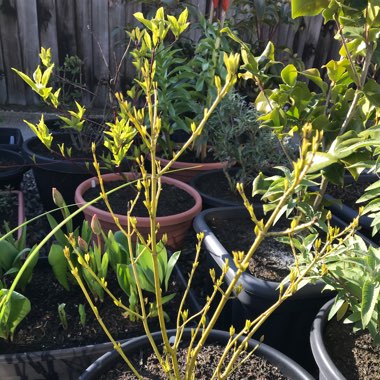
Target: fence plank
27	25
66	29
47	26
100	53
116	25
12	55
3	84
84	40
130	22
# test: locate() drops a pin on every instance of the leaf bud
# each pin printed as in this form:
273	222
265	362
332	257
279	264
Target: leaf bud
87	258
164	239
57	198
82	244
95	225
232	331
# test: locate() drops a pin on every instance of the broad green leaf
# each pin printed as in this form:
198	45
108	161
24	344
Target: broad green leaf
125	278
372	92
289	75
17	309
370	296
59	264
308	7
321	160
8	253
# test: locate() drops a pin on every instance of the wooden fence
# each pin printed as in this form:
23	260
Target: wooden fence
94	31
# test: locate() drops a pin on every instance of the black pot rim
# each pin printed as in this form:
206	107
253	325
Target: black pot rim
252	285
285	364
19	169
321	356
74	166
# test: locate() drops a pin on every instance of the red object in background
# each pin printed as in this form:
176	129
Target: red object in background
216	3
225	5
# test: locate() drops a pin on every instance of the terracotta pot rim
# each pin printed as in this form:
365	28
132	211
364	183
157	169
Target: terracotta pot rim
142	221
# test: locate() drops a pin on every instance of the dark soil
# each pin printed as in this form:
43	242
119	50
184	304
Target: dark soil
148	366
355	354
173	200
349	193
189	156
41	329
8	210
216	185
8	164
271	260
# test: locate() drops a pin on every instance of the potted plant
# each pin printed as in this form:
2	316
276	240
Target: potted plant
354	314
182	203
280	191
184	96
236	138
60	152
71	338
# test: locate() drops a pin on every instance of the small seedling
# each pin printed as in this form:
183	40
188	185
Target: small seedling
82	314
62	315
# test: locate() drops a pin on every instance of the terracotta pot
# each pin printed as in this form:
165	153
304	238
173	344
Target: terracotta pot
175	226
188	170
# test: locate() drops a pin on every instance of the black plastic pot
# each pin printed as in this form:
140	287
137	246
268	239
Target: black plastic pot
327	368
12	175
208	200
11	139
287	329
287	366
347	213
51	171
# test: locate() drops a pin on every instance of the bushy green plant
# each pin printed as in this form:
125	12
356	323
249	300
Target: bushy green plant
237	137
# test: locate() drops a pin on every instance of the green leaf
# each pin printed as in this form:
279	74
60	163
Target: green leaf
372	92
172	261
308	7
125	279
59	264
370	296
8	253
17	309
289	75
321	160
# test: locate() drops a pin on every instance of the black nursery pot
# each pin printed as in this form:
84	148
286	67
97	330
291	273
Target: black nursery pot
50	171
327	368
208	200
108	361
287	329
11	139
14	168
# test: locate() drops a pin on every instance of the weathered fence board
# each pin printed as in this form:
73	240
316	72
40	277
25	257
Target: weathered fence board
29	41
47	26
84	33
12	55
101	49
95	31
3	84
